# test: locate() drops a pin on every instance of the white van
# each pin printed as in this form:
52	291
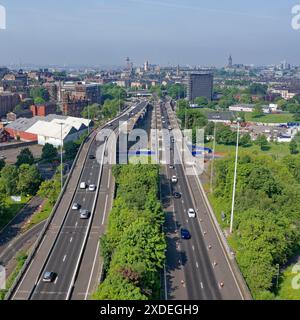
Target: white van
83	185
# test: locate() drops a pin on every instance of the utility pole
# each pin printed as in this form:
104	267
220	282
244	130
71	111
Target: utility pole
61	154
213	160
235	177
88	118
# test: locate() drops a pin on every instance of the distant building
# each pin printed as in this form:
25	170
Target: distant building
8	101
221	117
241	108
44	109
51	129
230	62
200	85
13	116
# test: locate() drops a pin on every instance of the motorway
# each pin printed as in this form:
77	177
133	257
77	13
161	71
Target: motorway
70	247
201	265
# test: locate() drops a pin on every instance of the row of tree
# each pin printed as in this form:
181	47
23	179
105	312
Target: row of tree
267	215
134	246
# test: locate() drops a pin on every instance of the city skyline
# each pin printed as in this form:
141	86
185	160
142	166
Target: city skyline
163	32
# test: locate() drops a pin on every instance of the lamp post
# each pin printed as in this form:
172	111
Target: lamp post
61	154
213	159
235	176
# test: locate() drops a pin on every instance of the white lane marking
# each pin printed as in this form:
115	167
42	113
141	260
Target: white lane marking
83	200
108	183
105	207
193	248
76	224
56	280
94	263
65	257
197	265
202	287
71	239
91	173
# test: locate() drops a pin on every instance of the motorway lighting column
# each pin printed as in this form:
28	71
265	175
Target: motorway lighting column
235	177
61	154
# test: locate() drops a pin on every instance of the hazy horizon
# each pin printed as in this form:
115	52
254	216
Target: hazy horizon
105	32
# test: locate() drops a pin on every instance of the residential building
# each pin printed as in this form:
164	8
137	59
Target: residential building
8	101
200	85
43	110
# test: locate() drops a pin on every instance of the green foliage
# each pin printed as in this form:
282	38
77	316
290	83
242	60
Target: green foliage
9	179
258	111
71	148
262	141
225	135
134	247
111	108
267	217
29	180
111	92
49	152
91	112
176	91
39	95
25	157
257	89
50	189
2	164
246	141
201	101
294	147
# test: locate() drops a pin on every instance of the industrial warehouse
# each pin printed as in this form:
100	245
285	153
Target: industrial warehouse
52	129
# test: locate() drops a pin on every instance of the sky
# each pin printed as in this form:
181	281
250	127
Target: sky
166	32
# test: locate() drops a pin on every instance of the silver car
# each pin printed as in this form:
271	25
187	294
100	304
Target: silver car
84	214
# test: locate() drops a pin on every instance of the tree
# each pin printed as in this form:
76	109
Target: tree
225	135
262	141
246	141
49	152
201	101
257	89
296	117
50	189
294	147
9	177
176	91
39	100
92	112
2	164
258	111
25	157
71	148
29	179
39	92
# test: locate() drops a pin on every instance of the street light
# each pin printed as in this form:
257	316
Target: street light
213	159
61	154
235	175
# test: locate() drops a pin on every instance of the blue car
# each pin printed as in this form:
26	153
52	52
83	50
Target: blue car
185	235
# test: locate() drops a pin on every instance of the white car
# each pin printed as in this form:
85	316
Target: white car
82	185
174	179
92	187
191	213
75	206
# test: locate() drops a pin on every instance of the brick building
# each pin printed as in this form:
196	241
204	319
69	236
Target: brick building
8	101
43	110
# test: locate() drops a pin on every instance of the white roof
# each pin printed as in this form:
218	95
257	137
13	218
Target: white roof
74	122
49	129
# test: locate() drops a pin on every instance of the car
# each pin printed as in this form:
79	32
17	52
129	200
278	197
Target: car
174	179
169	128
83	185
191	213
176	195
172	140
75	206
92	157
49	276
92	187
185	234
84	214
171	166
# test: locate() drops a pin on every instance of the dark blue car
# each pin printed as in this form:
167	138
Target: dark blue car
185	234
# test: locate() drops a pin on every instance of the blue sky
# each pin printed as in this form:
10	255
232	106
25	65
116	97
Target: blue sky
104	32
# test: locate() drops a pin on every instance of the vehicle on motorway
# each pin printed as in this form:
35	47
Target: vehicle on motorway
92	157
185	234
75	206
174	179
92	187
169	128
191	213
84	214
172	140
171	166
176	195
49	276
83	185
